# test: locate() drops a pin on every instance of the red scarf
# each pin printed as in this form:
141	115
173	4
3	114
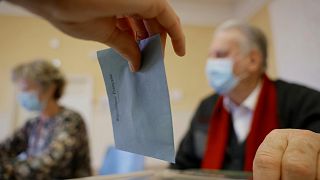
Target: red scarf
265	119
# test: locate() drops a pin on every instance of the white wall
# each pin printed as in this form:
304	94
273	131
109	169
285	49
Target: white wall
296	31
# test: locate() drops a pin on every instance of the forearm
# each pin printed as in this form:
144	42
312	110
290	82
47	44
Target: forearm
42	166
9	150
14	145
6	170
15	169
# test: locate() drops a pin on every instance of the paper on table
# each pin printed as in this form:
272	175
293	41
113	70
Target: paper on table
139	102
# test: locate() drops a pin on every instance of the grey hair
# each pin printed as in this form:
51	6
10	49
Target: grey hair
43	73
254	36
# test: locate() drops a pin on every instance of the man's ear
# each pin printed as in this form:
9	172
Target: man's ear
255	58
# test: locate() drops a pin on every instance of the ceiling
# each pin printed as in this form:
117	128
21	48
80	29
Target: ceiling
191	12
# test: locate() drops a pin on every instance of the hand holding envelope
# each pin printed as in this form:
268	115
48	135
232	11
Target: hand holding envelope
139	102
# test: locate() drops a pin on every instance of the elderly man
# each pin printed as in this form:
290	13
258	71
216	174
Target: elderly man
230	125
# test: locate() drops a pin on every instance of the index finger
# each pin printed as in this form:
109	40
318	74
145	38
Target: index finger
171	23
153	27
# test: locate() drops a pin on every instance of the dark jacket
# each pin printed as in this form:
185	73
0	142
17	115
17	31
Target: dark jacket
298	108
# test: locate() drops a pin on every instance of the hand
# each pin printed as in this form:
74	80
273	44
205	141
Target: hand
116	23
288	154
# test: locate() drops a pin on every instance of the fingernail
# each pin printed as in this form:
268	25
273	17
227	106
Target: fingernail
131	67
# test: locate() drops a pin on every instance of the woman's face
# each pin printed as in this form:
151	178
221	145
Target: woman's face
32	96
28	86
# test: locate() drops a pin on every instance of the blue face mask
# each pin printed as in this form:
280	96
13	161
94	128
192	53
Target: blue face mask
30	101
220	75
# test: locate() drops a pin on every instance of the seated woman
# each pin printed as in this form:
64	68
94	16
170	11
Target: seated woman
53	145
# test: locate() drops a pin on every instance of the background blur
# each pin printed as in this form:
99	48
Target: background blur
292	28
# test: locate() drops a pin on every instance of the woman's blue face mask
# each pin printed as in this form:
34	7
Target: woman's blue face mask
30	101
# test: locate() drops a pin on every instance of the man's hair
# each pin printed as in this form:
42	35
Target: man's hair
254	36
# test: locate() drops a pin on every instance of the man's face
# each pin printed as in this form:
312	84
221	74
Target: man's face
227	44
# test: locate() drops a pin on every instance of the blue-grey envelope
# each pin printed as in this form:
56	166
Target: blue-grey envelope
139	102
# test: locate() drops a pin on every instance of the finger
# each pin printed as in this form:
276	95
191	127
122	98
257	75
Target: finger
163	37
87	10
127	47
171	23
104	30
318	166
124	25
153	27
138	28
300	158
267	162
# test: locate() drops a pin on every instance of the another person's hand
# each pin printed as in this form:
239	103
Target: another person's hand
116	23
288	154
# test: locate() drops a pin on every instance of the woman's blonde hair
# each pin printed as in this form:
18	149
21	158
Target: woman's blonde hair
43	73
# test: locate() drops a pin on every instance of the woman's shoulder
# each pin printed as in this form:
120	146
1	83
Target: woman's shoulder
68	114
